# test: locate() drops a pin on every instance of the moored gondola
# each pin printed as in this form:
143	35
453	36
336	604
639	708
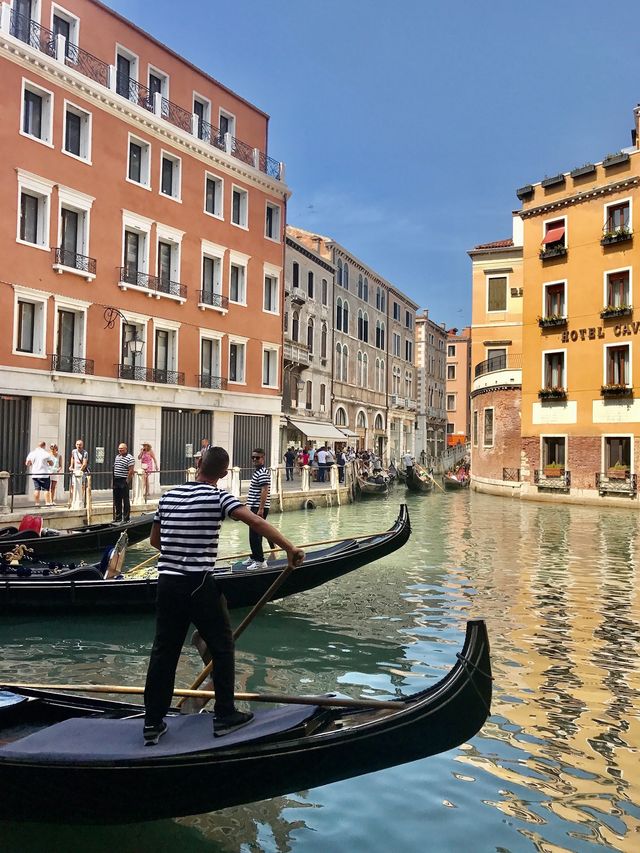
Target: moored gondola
419	480
368	487
81	753
22	590
79	540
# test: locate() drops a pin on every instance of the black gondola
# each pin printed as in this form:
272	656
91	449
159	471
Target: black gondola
367	487
49	588
82	753
78	540
419	480
452	484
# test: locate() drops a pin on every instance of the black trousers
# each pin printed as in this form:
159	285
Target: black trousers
181	601
255	541
289	471
121	499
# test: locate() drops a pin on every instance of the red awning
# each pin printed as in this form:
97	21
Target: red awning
553	235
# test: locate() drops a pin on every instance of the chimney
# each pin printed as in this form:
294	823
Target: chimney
635	133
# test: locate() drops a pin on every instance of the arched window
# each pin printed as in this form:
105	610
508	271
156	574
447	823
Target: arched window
378	298
323	397
361	420
365	370
377	375
360	286
379	423
341	417
359	369
345	363
360	325
296	274
309	395
383	382
339	272
310	284
286	321
365	292
310	331
365	328
295	327
338	362
339	315
381	335
345	276
378	333
345	317
325	291
383	301
323	341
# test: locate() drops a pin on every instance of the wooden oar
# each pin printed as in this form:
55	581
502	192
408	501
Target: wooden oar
283	699
245	622
435	482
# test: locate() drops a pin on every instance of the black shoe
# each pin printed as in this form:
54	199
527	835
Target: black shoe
231	722
152	734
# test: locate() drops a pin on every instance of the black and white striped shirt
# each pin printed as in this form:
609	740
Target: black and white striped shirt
122	464
259	479
190	517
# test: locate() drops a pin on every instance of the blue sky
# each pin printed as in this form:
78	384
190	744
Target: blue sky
407	126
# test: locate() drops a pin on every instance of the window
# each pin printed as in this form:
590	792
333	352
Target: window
396	343
345	317
325	292
338	367
323	341
272	222
554	370
237	284
339	315
345	276
323	397
26	326
209	362
309	396
408	351
270	368
363	326
77	132
73	237
133	252
139	171
227	123
170	175
396	311
553	451
617	452
395	381
360	285
345	363
497	293
487	439
365	292
341	417
359	369
37	113
310	334
618	289
164	355
554	300
365	370
451	371
339	273
451	402
618	364
617	218
211	280
213	195
555	236
295	274
165	263
270	303
33	210
295	326
498	358
450	428
361	420
30	214
158	84
70	339
239	207
68	26
451	351
202	109
126	74
236	361
29	324
408	320
310	284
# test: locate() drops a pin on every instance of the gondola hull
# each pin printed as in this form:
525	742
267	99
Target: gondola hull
416	484
241	587
83	540
451	484
366	488
85	785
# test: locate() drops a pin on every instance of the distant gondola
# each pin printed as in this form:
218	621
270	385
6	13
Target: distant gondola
452	484
78	540
42	586
419	480
369	488
81	753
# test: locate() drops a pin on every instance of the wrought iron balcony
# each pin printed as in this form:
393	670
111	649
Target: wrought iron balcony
134	91
171	288
214	383
65	258
134	371
176	115
33	33
215	300
150	374
71	364
88	64
617	481
211	134
552	478
167	377
508	361
152	283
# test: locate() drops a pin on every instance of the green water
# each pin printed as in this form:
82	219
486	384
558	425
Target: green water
555	768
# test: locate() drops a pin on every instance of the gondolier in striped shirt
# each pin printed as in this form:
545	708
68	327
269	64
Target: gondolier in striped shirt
186	529
259	502
122	475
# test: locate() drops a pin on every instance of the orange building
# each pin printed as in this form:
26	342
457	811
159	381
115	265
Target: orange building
458	386
143	245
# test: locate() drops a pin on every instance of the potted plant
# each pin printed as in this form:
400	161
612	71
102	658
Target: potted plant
616	389
617	471
610	311
553	469
552	394
552	320
615	235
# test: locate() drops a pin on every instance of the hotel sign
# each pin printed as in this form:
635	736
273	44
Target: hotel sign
620	330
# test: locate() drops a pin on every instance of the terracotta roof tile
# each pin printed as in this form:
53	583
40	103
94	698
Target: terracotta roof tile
497	244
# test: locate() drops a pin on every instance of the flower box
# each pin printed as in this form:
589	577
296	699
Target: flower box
616	391
620	235
617	473
551	321
555	181
615	159
582	171
525	193
610	311
553	471
552	394
553	252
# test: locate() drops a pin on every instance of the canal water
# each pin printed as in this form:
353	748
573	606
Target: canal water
556	767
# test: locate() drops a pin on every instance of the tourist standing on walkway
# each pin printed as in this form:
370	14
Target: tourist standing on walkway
122	475
149	464
289	459
321	456
258	501
55	470
186	529
341	459
39	462
79	464
204	446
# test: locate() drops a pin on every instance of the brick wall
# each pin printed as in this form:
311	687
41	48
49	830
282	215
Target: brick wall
505	452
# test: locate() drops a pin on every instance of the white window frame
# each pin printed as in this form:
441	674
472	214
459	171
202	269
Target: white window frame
244	223
452	368
42	188
196	96
628	200
545	222
40	299
616	344
174	329
274	351
278	220
603	448
48	103
164	77
80	203
451	347
145	165
564	282
142	226
274	273
239	260
74	25
397	344
219	195
493	436
176	185
564	437
216	253
86	132
134	59
167	234
488	276
605	283
79	308
231	119
141	322
214	337
452	397
565	368
238	341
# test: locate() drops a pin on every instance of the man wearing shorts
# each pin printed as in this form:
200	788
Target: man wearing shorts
40	462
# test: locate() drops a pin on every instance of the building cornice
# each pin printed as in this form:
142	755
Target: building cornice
312	256
490	388
578	198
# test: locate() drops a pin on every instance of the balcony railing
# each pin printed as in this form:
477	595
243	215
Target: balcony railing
616	481
511	475
134	91
65	258
296	353
172	288
508	361
71	364
150	374
152	282
215	300
33	34
214	383
88	64
549	478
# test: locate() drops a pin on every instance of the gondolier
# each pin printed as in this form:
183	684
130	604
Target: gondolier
186	529
122	476
258	501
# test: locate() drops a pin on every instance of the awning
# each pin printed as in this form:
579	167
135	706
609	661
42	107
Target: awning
349	433
317	430
553	235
